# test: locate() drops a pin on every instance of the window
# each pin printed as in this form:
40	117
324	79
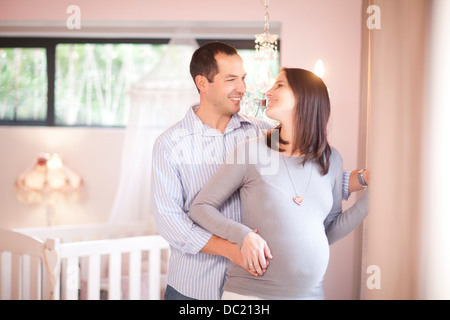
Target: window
81	82
23	84
92	80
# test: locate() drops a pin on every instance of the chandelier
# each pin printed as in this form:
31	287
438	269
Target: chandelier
266	51
266	44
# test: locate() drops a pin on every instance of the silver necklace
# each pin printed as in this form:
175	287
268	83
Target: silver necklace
298	199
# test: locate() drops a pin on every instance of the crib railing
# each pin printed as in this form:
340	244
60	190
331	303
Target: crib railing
32	268
85	257
88	232
27	267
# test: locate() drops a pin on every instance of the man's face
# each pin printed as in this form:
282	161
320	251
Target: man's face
228	86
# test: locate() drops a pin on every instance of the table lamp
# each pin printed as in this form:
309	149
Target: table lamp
49	182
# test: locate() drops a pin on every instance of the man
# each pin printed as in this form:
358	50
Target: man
186	156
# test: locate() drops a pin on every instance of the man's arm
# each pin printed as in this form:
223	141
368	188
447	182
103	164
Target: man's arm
172	221
205	211
222	247
174	224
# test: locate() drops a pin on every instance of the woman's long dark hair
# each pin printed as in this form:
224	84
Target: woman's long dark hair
311	118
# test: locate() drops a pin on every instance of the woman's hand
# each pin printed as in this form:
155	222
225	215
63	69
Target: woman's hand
254	251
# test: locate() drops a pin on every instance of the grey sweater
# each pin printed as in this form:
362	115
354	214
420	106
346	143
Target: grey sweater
298	236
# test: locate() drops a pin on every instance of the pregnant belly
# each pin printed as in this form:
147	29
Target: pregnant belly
299	259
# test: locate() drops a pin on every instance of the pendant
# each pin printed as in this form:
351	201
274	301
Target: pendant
299	200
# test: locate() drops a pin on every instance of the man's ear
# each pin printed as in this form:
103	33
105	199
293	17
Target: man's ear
201	82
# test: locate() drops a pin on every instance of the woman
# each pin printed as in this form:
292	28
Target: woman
291	214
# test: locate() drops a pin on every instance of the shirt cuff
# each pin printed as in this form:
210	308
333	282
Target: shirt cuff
197	240
345	183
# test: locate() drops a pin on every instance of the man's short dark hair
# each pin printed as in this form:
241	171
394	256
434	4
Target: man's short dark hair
203	60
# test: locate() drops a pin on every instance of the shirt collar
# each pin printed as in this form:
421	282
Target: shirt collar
192	123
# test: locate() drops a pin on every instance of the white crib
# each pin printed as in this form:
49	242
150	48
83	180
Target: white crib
93	262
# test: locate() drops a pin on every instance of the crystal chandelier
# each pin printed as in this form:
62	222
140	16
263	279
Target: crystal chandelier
266	46
266	51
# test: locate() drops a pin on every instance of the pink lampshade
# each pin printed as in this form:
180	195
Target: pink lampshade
48	181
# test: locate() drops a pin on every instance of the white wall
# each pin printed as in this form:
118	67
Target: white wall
325	29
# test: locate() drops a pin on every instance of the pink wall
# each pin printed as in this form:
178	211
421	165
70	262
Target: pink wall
325	29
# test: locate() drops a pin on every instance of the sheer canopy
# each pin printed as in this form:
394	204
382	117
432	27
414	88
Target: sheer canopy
158	100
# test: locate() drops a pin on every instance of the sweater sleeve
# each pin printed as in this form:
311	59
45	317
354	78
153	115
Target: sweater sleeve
338	224
348	220
205	210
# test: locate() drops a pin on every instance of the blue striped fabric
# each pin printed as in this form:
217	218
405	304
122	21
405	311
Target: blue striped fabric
184	158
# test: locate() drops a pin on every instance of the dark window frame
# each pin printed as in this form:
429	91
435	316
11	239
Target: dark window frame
49	44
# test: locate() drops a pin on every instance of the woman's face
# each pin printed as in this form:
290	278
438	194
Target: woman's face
281	101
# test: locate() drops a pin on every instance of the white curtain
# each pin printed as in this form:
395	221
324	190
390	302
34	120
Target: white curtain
434	268
158	100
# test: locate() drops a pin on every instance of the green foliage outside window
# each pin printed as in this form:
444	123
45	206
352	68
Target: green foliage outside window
23	84
91	81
